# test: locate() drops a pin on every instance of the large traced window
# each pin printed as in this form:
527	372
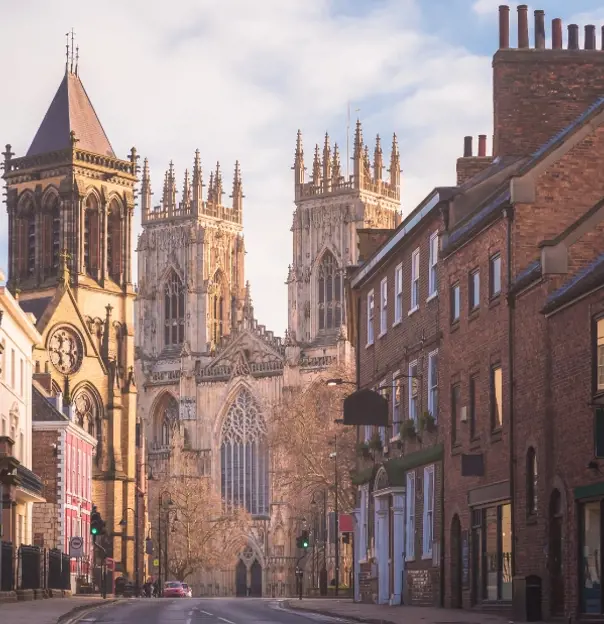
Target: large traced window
25	248
165	417
114	242
174	310
88	413
50	237
217	308
330	293
244	457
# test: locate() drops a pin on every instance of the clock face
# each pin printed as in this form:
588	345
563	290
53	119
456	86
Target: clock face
65	349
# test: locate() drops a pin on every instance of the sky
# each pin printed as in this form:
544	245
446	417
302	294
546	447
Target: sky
236	79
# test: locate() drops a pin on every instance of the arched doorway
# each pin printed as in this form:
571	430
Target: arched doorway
256	584
556	578
241	579
456	569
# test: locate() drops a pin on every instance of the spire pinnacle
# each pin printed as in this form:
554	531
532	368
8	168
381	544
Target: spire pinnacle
186	189
299	147
336	167
299	165
237	195
72	54
358	139
316	167
218	184
326	164
197	195
378	161
211	197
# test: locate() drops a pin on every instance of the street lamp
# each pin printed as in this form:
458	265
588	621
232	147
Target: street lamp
123	523
161	504
338	381
323	572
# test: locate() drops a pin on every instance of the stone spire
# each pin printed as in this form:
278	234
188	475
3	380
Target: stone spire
146	190
218	192
299	163
357	156
186	190
171	191
248	308
316	167
366	164
378	160
336	167
395	165
237	195
164	198
197	191
326	164
211	195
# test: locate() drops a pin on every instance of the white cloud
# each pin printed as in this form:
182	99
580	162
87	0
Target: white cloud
490	7
236	79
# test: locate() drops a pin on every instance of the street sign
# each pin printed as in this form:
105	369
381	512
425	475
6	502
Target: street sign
76	547
156	563
110	563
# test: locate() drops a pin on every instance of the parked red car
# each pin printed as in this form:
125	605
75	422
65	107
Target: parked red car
174	589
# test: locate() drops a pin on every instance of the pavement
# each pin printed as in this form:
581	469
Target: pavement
228	611
48	611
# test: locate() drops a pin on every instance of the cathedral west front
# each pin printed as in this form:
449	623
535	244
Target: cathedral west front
209	371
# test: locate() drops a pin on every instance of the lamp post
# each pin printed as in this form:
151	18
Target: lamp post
123	523
159	554
323	571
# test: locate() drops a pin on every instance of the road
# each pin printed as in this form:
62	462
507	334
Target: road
203	611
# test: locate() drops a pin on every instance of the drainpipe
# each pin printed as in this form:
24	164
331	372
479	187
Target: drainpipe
509	214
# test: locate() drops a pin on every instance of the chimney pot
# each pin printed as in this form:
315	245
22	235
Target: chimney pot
482	145
523	36
557	34
467	147
539	29
573	37
504	27
590	37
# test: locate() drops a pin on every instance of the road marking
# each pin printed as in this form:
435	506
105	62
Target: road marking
225	620
189	621
207	613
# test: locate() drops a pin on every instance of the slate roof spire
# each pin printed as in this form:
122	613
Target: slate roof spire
71	111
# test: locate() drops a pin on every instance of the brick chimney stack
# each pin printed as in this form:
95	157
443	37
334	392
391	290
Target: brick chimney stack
538	92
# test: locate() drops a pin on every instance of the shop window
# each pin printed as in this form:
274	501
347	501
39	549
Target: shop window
591	552
492	561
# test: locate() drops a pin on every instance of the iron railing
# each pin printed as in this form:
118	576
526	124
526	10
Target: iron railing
32	567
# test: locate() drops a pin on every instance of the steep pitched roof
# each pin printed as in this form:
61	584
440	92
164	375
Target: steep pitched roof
42	409
71	110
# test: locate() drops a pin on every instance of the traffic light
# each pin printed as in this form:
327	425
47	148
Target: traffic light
303	540
97	524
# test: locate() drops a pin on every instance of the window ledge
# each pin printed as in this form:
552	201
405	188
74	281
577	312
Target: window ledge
456	449
496	435
426	557
434	295
396	323
495	300
369	344
474	313
409	559
413	310
454	325
396	438
382	334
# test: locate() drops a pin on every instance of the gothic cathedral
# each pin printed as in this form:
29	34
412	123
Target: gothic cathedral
208	371
70	203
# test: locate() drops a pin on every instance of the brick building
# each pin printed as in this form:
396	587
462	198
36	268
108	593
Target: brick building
395	323
508	463
63	457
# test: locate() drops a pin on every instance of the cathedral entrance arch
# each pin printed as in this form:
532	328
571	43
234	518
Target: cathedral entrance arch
256	580
241	579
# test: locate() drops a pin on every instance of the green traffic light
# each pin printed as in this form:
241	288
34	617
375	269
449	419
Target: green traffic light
305	544
94	531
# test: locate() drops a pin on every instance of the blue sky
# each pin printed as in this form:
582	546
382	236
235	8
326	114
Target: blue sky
236	79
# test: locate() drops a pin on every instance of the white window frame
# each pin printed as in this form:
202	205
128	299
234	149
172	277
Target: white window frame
455	288
410	517
432	269
383	306
397	407
413	400
433	386
398	294
428	516
414	303
370	317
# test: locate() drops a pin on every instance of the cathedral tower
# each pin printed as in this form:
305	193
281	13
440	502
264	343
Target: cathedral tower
70	204
331	208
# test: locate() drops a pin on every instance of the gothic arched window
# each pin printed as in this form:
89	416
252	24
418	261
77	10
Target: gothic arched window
88	414
114	242
217	309
92	237
174	310
25	233
244	457
166	415
50	237
330	293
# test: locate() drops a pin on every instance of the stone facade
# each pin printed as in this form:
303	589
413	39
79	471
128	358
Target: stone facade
18	336
205	357
70	204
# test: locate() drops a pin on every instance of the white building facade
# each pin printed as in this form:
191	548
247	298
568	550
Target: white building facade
18	336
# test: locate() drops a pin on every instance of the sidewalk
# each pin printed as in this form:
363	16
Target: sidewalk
382	614
45	611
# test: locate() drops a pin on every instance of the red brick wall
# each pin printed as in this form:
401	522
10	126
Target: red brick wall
471	347
469	166
45	461
538	94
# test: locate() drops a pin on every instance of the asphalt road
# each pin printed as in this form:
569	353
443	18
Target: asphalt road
203	611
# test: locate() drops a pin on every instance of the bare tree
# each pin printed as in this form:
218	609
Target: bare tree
304	436
204	534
